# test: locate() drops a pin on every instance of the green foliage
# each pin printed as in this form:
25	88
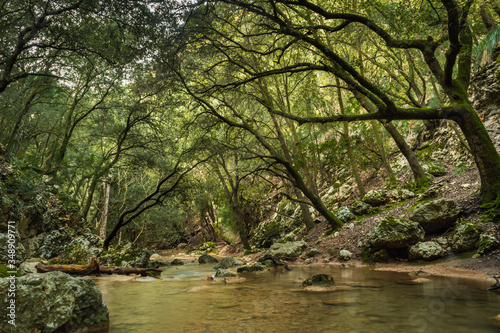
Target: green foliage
4	272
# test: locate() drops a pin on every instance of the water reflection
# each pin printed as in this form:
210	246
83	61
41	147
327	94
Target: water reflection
273	301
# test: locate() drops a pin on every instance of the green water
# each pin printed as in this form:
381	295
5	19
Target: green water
273	301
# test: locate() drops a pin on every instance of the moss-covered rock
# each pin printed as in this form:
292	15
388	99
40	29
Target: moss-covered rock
436	215
83	248
361	208
227	263
426	251
487	243
345	255
465	237
393	232
222	273
130	253
320	280
344	214
434	170
287	250
376	197
207	259
53	302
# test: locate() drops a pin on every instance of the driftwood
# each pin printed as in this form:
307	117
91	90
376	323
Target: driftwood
93	268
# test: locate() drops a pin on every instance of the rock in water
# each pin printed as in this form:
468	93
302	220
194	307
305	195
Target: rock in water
320	280
436	216
228	262
393	233
54	302
206	259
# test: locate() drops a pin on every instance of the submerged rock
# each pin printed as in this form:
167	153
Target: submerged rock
53	302
207	259
228	262
436	216
222	273
177	262
393	232
465	237
320	280
426	251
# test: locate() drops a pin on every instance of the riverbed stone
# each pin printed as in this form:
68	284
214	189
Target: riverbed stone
288	249
177	262
426	251
361	208
393	232
436	216
228	262
465	237
54	302
222	273
320	280
376	197
207	259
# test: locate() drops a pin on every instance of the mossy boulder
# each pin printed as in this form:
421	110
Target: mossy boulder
54	302
436	215
487	243
83	248
345	255
222	273
397	195
426	251
465	237
361	208
344	214
393	232
177	262
134	256
376	197
288	249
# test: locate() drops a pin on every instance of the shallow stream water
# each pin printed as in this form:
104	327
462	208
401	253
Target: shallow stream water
273	301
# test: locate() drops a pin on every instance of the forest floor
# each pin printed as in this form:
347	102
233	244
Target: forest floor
463	188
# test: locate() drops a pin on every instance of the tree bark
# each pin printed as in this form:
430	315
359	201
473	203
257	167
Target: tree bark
104	216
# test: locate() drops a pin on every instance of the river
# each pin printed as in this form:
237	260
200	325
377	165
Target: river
366	300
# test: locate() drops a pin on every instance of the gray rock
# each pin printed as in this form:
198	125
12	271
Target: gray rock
177	262
393	232
426	251
361	208
28	267
487	243
436	216
222	273
18	256
83	248
345	255
345	214
206	259
465	237
376	197
400	194
312	252
287	250
54	302
434	170
228	262
143	260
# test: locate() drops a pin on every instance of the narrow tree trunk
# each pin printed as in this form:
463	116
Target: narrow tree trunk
383	154
105	205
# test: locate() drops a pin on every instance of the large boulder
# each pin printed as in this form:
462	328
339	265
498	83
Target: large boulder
83	248
53	302
465	237
436	216
320	280
345	255
376	197
487	243
426	251
228	262
393	233
400	194
287	250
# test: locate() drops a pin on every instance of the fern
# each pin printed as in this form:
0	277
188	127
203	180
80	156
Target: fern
487	44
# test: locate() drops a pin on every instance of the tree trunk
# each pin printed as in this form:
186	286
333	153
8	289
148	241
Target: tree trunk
105	205
484	152
383	154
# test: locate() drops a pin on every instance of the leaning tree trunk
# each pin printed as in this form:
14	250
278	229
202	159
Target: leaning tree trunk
483	150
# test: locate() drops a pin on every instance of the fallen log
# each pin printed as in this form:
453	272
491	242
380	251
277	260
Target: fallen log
93	268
